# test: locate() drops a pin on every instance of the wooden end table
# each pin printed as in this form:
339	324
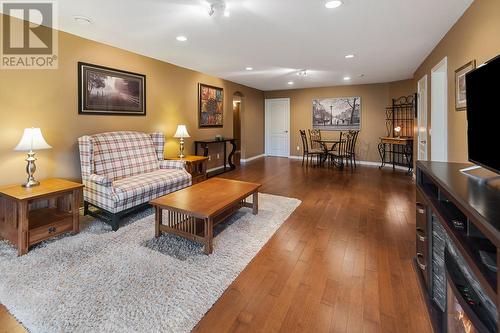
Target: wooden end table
32	215
193	212
195	165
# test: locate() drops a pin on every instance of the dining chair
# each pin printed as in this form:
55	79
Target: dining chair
306	153
315	135
345	150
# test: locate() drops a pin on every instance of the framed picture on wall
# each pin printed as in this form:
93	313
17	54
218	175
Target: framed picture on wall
107	91
337	114
210	106
460	87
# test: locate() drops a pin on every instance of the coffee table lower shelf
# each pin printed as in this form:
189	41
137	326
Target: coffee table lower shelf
194	228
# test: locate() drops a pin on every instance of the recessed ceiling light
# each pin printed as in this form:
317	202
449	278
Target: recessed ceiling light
333	4
181	38
347	78
227	13
302	72
290	83
349	56
249	68
83	20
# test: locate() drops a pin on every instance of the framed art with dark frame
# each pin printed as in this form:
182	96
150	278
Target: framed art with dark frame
460	88
210	106
108	91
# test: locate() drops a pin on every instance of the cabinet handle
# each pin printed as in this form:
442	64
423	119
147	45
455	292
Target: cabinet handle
420	209
422	266
52	230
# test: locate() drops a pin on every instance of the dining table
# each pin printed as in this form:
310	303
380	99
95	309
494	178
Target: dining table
329	145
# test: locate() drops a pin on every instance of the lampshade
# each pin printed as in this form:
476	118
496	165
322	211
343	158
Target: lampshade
181	132
32	140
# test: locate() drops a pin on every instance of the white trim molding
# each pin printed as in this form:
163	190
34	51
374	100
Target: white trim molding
367	163
216	168
246	160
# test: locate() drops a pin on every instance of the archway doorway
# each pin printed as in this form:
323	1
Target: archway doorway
238	100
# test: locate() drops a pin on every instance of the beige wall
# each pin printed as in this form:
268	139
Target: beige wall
374	99
48	99
476	35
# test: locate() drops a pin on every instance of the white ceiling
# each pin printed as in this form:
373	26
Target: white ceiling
390	38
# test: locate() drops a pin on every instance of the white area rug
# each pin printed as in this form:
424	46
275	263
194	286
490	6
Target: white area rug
127	281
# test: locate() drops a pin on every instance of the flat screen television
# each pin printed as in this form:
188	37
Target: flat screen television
483	115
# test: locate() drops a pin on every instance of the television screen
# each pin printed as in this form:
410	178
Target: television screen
483	115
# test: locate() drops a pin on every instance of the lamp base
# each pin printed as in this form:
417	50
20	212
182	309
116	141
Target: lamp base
31	183
30	170
181	148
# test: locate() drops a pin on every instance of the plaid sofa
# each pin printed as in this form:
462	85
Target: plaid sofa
123	170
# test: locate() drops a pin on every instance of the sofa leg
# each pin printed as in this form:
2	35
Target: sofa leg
85	208
115	222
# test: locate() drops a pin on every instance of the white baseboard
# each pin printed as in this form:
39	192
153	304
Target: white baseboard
214	169
246	160
367	163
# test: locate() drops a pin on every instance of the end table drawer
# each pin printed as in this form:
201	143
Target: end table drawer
44	232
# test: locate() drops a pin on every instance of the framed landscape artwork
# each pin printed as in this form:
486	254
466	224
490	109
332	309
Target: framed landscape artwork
211	106
107	91
337	114
460	87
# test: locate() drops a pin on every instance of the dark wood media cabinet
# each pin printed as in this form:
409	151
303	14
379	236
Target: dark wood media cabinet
457	214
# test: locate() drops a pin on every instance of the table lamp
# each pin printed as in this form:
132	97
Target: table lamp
181	133
397	130
32	140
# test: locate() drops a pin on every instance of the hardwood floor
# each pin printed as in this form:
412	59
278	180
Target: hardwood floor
340	263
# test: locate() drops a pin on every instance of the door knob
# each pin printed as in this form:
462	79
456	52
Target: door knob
286	131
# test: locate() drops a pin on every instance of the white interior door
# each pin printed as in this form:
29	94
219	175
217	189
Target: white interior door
422	119
278	127
439	112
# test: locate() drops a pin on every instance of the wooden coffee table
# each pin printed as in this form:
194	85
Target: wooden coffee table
193	212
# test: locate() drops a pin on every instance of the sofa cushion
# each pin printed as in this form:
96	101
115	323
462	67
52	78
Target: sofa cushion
135	190
120	155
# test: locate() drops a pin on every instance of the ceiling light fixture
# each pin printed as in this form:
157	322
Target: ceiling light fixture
347	78
302	73
290	83
83	20
249	68
181	38
333	4
349	56
218	8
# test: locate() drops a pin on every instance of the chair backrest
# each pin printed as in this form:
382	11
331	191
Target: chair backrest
303	136
315	135
351	139
118	155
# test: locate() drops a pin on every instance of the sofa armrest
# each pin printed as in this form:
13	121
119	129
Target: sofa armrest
172	164
100	180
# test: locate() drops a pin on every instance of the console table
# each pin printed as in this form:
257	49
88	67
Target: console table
204	144
400	151
457	247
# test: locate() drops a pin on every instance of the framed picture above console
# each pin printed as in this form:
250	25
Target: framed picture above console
210	106
107	91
